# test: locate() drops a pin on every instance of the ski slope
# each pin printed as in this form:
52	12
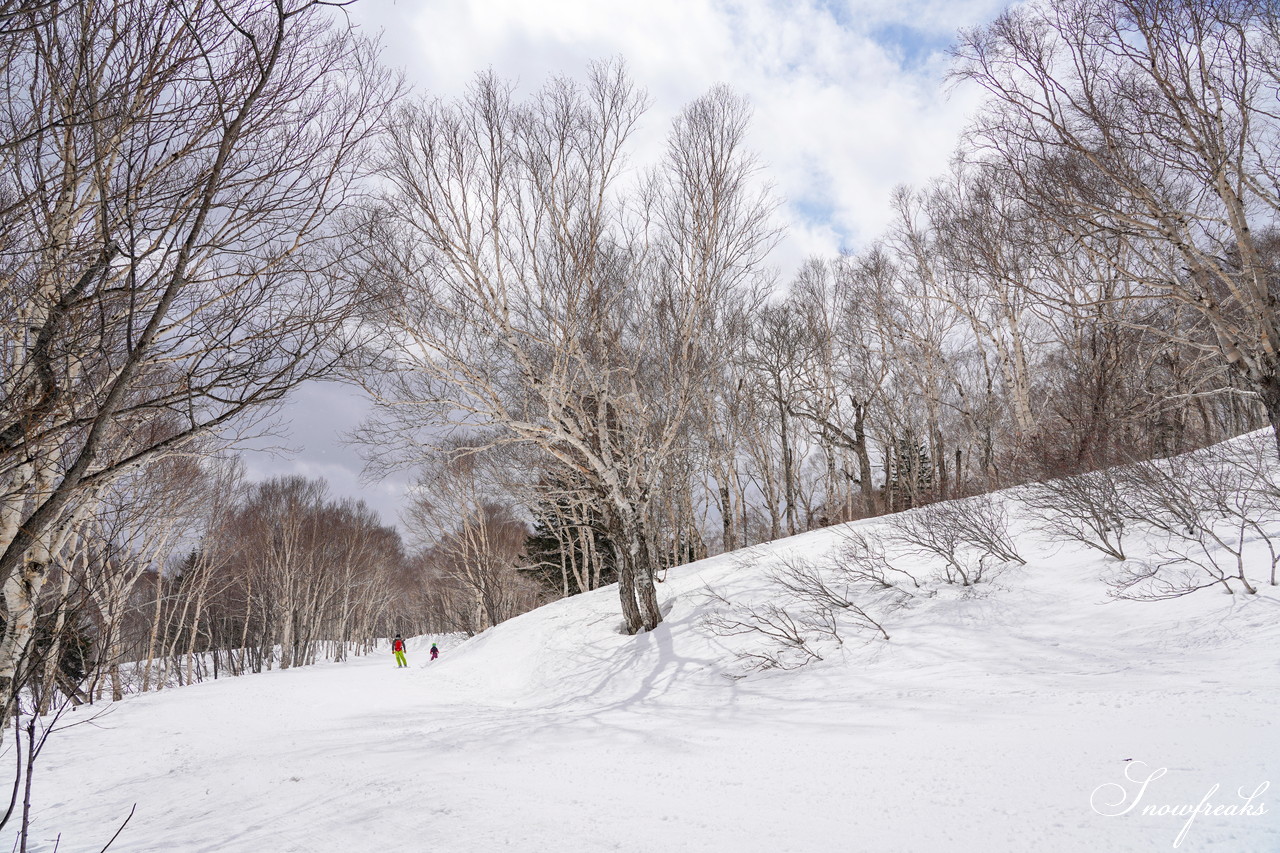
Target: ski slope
999	719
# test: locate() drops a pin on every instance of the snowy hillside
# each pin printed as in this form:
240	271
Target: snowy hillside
1001	717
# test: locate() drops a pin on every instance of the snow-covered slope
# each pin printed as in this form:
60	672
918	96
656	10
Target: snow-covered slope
1005	717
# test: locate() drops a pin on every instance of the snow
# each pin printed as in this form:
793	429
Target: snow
999	718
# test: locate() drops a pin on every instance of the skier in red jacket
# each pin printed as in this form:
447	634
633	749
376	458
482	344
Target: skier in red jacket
435	653
397	646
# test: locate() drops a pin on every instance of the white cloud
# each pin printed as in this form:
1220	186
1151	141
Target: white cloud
319	415
849	97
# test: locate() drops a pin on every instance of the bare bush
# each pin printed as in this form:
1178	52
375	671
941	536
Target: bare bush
831	590
792	637
1258	468
812	605
971	536
1208	513
1087	508
864	557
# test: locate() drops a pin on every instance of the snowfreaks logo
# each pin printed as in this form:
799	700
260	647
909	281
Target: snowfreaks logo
1114	799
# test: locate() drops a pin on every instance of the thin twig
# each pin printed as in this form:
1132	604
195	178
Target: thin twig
121	829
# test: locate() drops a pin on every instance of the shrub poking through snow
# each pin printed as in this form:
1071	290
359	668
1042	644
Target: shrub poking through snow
1087	508
1208	518
813	607
971	536
863	557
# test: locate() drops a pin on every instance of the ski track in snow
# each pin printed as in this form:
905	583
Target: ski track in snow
985	724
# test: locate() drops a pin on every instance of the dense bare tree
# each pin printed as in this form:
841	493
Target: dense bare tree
778	352
166	241
473	544
136	522
314	574
841	385
534	300
1145	131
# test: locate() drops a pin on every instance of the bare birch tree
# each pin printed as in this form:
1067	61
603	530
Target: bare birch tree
172	175
532	298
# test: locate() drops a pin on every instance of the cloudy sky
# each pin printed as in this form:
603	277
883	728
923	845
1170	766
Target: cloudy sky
849	96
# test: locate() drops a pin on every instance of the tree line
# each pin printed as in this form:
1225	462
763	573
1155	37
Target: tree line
604	352
187	572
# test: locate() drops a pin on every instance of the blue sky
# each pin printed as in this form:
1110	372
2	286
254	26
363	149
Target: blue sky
849	102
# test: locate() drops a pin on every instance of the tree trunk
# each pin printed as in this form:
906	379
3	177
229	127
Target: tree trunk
632	622
865	475
727	541
20	593
788	470
635	572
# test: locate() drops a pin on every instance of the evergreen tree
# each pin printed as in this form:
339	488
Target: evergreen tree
911	481
569	550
